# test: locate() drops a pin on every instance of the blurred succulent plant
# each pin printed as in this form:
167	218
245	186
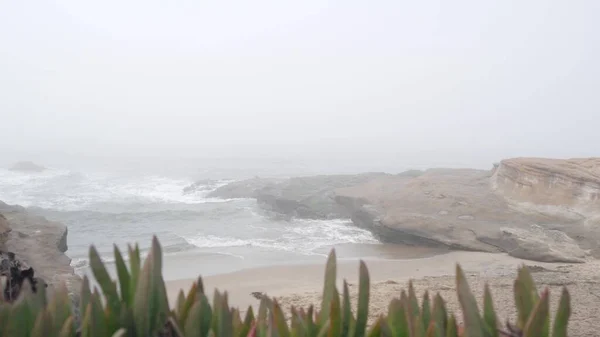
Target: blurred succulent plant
136	305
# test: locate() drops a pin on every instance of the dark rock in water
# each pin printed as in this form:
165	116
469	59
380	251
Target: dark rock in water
15	273
201	186
27	166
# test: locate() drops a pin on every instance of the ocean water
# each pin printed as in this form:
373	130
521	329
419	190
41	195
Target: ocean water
198	235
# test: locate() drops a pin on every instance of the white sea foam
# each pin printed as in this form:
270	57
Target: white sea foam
299	236
71	191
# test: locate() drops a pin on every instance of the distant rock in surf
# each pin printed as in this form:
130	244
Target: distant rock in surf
27	166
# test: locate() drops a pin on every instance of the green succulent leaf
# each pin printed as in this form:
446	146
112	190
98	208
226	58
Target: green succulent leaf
124	277
396	318
526	296
413	302
562	315
426	310
536	324
43	325
489	314
68	328
277	319
439	314
452	330
474	326
362	312
329	286
103	278
346	311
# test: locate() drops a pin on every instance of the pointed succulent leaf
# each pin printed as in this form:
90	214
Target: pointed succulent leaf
22	317
346	311
205	315
124	277
98	319
364	286
329	286
86	293
536	323
60	306
199	319
433	330
335	315
419	329
68	328
247	324
225	327
426	310
261	324
489	314
174	328
386	331
452	330
193	324
526	296
439	314
43	325
375	330
87	327
396	319
562	315
413	302
278	320
200	286
151	307
187	303
109	288
134	269
474	326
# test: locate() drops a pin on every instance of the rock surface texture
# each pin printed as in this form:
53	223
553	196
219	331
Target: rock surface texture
539	209
40	244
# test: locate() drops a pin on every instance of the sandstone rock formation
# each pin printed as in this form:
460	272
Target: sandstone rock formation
539	209
529	208
39	243
27	166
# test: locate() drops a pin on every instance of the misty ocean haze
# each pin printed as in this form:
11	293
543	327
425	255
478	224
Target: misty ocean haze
127	103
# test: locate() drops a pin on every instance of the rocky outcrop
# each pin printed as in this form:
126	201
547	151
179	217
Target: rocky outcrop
40	244
27	166
537	209
569	187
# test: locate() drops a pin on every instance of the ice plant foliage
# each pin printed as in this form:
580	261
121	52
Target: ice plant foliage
136	305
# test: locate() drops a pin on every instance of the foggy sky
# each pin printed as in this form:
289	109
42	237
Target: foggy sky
472	80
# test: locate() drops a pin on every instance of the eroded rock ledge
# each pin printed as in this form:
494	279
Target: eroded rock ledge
533	208
38	243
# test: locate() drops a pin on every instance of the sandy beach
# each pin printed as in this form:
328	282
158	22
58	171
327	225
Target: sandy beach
301	285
